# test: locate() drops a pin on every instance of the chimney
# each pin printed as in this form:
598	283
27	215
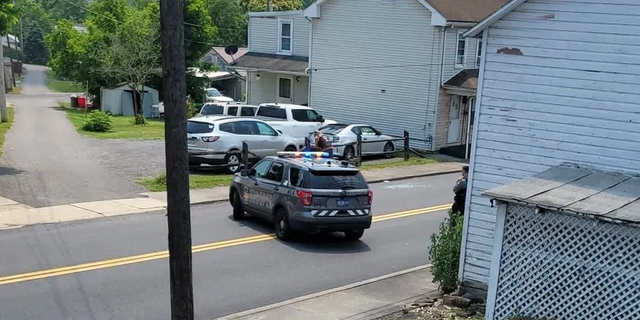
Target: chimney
269	5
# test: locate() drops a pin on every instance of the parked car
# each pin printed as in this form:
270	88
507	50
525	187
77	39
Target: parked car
376	142
293	120
226	134
228	109
307	195
214	95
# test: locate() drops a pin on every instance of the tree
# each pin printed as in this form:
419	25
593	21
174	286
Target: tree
278	5
230	18
8	19
72	10
36	23
134	56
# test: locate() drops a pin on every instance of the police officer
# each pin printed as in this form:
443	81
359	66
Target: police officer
460	191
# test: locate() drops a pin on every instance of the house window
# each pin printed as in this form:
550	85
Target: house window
479	53
460	50
285	36
284	88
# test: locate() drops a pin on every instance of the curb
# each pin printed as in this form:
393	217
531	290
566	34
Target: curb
422	175
321	293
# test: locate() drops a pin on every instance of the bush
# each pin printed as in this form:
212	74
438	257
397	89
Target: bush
98	121
444	253
139	120
192	110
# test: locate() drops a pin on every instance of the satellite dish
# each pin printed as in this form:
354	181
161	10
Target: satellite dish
231	50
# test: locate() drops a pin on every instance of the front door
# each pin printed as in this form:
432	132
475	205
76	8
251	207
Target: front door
285	89
454	120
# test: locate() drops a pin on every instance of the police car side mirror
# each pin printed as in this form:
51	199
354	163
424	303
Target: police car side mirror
244	172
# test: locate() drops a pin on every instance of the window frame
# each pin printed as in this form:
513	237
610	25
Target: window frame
290	37
479	49
464	55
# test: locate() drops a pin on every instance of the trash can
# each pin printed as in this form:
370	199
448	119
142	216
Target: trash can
74	101
82	102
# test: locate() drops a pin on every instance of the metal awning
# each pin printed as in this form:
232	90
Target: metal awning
253	61
610	196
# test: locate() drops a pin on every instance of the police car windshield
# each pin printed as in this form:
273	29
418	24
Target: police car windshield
338	179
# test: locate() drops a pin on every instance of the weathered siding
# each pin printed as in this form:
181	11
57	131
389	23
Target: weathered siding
568	91
449	65
263	34
378	71
265	89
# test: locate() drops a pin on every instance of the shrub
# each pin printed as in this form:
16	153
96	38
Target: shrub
192	110
444	253
98	121
139	120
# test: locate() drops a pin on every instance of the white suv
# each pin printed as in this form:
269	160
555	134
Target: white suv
209	135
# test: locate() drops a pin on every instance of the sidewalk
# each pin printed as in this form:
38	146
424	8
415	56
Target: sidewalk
16	215
365	300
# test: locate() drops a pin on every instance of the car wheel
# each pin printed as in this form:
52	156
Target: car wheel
389	150
349	152
290	149
230	160
283	230
238	210
354	234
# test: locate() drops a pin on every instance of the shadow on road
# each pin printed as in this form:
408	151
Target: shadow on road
324	242
7	171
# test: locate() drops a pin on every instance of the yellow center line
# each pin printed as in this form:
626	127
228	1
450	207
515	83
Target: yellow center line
104	264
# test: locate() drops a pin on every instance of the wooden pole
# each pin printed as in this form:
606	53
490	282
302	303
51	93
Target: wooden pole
3	98
178	206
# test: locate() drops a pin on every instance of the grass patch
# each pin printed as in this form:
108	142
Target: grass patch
123	127
5	126
398	162
55	84
196	181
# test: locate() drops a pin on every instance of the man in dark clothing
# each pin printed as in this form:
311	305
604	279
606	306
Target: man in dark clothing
460	190
322	143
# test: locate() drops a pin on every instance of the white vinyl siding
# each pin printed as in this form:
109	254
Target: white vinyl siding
565	89
449	68
265	88
285	36
264	34
352	80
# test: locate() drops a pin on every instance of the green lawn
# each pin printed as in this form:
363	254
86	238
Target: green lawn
57	85
203	181
5	126
123	127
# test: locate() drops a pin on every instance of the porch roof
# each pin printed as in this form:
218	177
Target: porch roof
465	79
610	196
271	62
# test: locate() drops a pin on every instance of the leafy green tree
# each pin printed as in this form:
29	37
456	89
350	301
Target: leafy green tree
36	22
278	5
72	10
8	16
230	18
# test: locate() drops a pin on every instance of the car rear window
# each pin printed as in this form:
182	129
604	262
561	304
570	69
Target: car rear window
199	127
272	112
209	109
332	129
248	111
338	179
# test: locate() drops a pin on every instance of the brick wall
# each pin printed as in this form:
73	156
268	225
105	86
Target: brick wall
442	122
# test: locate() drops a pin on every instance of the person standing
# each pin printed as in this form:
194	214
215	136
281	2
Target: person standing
460	191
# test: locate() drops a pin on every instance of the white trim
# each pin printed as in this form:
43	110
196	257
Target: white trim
464	57
474	147
451	90
437	19
501	215
310	61
268	14
479	46
291	87
493	18
280	23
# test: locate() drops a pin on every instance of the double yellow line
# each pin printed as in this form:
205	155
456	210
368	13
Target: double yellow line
104	264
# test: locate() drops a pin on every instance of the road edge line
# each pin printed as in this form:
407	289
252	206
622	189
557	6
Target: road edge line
322	293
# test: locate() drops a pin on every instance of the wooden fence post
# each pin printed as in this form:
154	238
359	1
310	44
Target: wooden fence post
359	151
406	145
245	154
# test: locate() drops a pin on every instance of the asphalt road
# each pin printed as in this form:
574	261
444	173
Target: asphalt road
46	162
229	277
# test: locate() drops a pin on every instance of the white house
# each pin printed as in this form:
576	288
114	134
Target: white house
398	65
559	82
278	57
229	82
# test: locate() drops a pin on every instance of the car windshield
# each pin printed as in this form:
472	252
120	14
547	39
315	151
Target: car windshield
199	127
332	129
213	93
337	179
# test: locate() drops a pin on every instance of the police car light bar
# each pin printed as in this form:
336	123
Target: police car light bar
304	154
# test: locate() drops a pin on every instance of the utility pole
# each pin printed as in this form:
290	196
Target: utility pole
178	205
3	97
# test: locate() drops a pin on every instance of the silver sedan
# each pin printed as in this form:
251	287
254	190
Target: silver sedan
374	142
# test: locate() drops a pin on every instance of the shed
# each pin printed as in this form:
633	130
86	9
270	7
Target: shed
119	100
567	246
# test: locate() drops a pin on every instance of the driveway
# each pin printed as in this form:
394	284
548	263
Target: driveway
46	162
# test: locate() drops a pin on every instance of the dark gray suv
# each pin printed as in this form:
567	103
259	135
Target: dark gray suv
299	191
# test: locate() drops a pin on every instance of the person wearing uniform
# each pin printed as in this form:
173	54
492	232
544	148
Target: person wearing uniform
322	143
460	191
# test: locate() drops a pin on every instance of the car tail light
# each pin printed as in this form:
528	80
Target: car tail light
370	197
306	197
210	139
336	139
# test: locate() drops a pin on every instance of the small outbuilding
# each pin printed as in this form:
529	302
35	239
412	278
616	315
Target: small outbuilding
119	100
567	246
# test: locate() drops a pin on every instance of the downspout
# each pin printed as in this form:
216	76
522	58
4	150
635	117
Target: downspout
309	69
466	143
440	73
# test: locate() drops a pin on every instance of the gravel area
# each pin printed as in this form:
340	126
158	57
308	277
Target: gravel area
129	158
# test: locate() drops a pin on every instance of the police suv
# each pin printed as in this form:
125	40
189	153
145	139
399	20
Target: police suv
304	191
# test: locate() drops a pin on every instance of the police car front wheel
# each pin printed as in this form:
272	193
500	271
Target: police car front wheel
238	210
283	230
